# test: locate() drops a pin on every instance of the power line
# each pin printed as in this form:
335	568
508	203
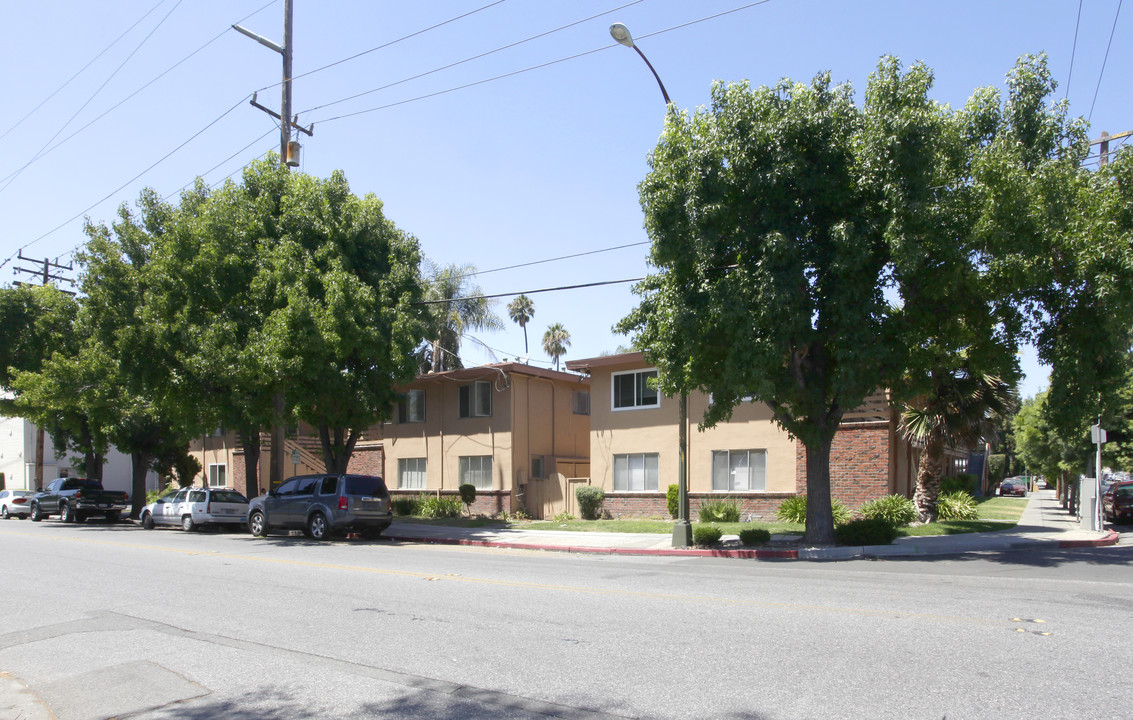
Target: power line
1073	50
524	70
1104	60
92	97
466	60
554	259
121	102
529	292
81	70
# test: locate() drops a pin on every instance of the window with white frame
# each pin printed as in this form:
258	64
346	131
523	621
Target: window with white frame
743	470
476	470
476	400
411	408
218	475
581	402
635	389
411	473
635	472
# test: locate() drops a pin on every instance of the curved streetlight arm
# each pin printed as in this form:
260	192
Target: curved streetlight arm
655	75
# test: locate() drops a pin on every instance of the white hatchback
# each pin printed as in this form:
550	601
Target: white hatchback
195	507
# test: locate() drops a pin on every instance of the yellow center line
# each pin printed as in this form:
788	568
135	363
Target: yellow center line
699	599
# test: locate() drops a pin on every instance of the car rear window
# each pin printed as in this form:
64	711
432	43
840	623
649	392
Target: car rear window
228	496
366	485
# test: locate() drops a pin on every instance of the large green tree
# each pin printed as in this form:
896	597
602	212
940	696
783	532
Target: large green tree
811	251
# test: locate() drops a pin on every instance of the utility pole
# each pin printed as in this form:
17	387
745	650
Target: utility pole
1103	141
47	275
288	156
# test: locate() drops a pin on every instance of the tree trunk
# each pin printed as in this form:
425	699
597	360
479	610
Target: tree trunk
140	466
250	441
337	450
929	469
819	517
275	461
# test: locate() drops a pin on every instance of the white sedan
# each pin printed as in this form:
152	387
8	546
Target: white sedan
15	503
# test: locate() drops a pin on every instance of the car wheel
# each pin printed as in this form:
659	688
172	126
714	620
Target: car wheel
317	527
111	517
4	512
257	524
35	516
65	514
147	521
187	524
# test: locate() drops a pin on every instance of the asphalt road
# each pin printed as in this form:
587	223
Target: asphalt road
109	621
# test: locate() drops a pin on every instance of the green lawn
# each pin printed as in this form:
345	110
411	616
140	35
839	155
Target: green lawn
994	513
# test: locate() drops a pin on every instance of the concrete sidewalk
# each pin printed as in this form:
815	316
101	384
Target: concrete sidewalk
1044	523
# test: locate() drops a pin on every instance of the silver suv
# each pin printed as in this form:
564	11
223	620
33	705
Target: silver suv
323	504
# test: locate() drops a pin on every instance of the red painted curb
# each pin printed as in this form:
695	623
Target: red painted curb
1106	541
693	552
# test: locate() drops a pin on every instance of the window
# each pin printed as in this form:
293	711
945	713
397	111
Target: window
307	486
476	400
411	408
197	496
633	390
538	467
581	404
637	472
218	475
411	473
476	470
329	486
744	470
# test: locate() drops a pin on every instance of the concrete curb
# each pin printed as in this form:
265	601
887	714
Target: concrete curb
1111	539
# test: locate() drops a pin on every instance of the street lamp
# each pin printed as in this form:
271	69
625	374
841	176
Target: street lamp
682	528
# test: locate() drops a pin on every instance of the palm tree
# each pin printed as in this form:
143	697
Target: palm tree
555	342
456	309
958	408
520	310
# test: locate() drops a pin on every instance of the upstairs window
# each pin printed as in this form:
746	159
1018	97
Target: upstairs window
476	400
411	408
635	390
218	475
580	404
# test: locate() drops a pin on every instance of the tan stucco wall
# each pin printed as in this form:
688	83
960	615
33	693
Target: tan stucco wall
530	416
656	430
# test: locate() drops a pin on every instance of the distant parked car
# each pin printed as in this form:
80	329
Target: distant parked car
321	505
15	503
1013	486
1117	502
76	499
195	507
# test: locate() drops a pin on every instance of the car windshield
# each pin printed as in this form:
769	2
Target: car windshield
228	496
1124	491
365	485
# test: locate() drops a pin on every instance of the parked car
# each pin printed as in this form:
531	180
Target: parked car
195	507
322	505
1013	486
15	503
76	499
1117	502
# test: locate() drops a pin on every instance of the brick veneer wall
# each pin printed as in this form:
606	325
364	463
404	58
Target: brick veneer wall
368	460
859	463
488	502
756	506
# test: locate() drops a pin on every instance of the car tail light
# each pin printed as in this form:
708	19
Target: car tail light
343	502
78	494
19	501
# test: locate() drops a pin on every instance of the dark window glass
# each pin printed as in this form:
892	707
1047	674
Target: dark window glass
329	486
228	496
197	496
288	488
307	486
366	485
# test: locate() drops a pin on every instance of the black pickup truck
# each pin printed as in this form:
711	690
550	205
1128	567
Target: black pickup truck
76	499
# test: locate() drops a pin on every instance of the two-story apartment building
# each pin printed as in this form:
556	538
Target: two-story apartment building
634	441
520	434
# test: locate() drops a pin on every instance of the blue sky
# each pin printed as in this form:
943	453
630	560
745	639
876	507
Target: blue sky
497	133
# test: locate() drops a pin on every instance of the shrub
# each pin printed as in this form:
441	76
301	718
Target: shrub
564	517
956	505
723	510
754	536
590	499
964	482
897	510
705	535
405	505
996	467
793	510
672	500
866	531
440	507
467	495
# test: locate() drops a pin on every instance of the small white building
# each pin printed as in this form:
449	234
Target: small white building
17	460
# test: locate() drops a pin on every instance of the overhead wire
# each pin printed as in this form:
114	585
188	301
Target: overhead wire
527	69
1104	60
12	177
466	60
82	69
1073	50
121	102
